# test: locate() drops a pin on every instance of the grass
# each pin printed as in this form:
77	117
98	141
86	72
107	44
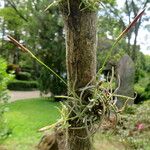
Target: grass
108	141
24	119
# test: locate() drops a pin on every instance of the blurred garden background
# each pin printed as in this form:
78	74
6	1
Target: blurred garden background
43	33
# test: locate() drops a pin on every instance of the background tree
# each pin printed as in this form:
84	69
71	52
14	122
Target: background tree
43	31
117	23
130	10
47	29
12	24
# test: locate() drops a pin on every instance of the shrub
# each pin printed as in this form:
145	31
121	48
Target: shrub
139	74
4	79
142	93
135	128
139	91
147	89
23	76
146	93
50	83
22	85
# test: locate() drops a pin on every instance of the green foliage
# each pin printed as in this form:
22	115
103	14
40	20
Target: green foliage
88	4
147	87
139	73
13	24
130	110
7	49
23	76
25	118
142	88
44	35
110	23
49	82
131	132
108	141
13	20
47	28
4	79
147	63
109	27
140	66
140	91
146	93
19	85
42	32
85	4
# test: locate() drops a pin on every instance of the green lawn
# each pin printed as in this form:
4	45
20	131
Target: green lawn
25	117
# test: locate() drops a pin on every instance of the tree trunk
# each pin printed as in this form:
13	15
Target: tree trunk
78	140
80	32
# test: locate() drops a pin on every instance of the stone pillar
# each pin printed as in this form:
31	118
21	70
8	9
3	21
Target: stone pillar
125	72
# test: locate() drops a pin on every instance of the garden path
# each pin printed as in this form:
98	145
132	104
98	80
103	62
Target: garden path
19	95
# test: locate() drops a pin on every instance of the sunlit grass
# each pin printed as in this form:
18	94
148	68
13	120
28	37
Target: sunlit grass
24	119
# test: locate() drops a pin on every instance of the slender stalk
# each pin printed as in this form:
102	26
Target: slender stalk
121	35
24	49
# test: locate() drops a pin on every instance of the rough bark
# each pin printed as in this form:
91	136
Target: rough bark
78	140
80	32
